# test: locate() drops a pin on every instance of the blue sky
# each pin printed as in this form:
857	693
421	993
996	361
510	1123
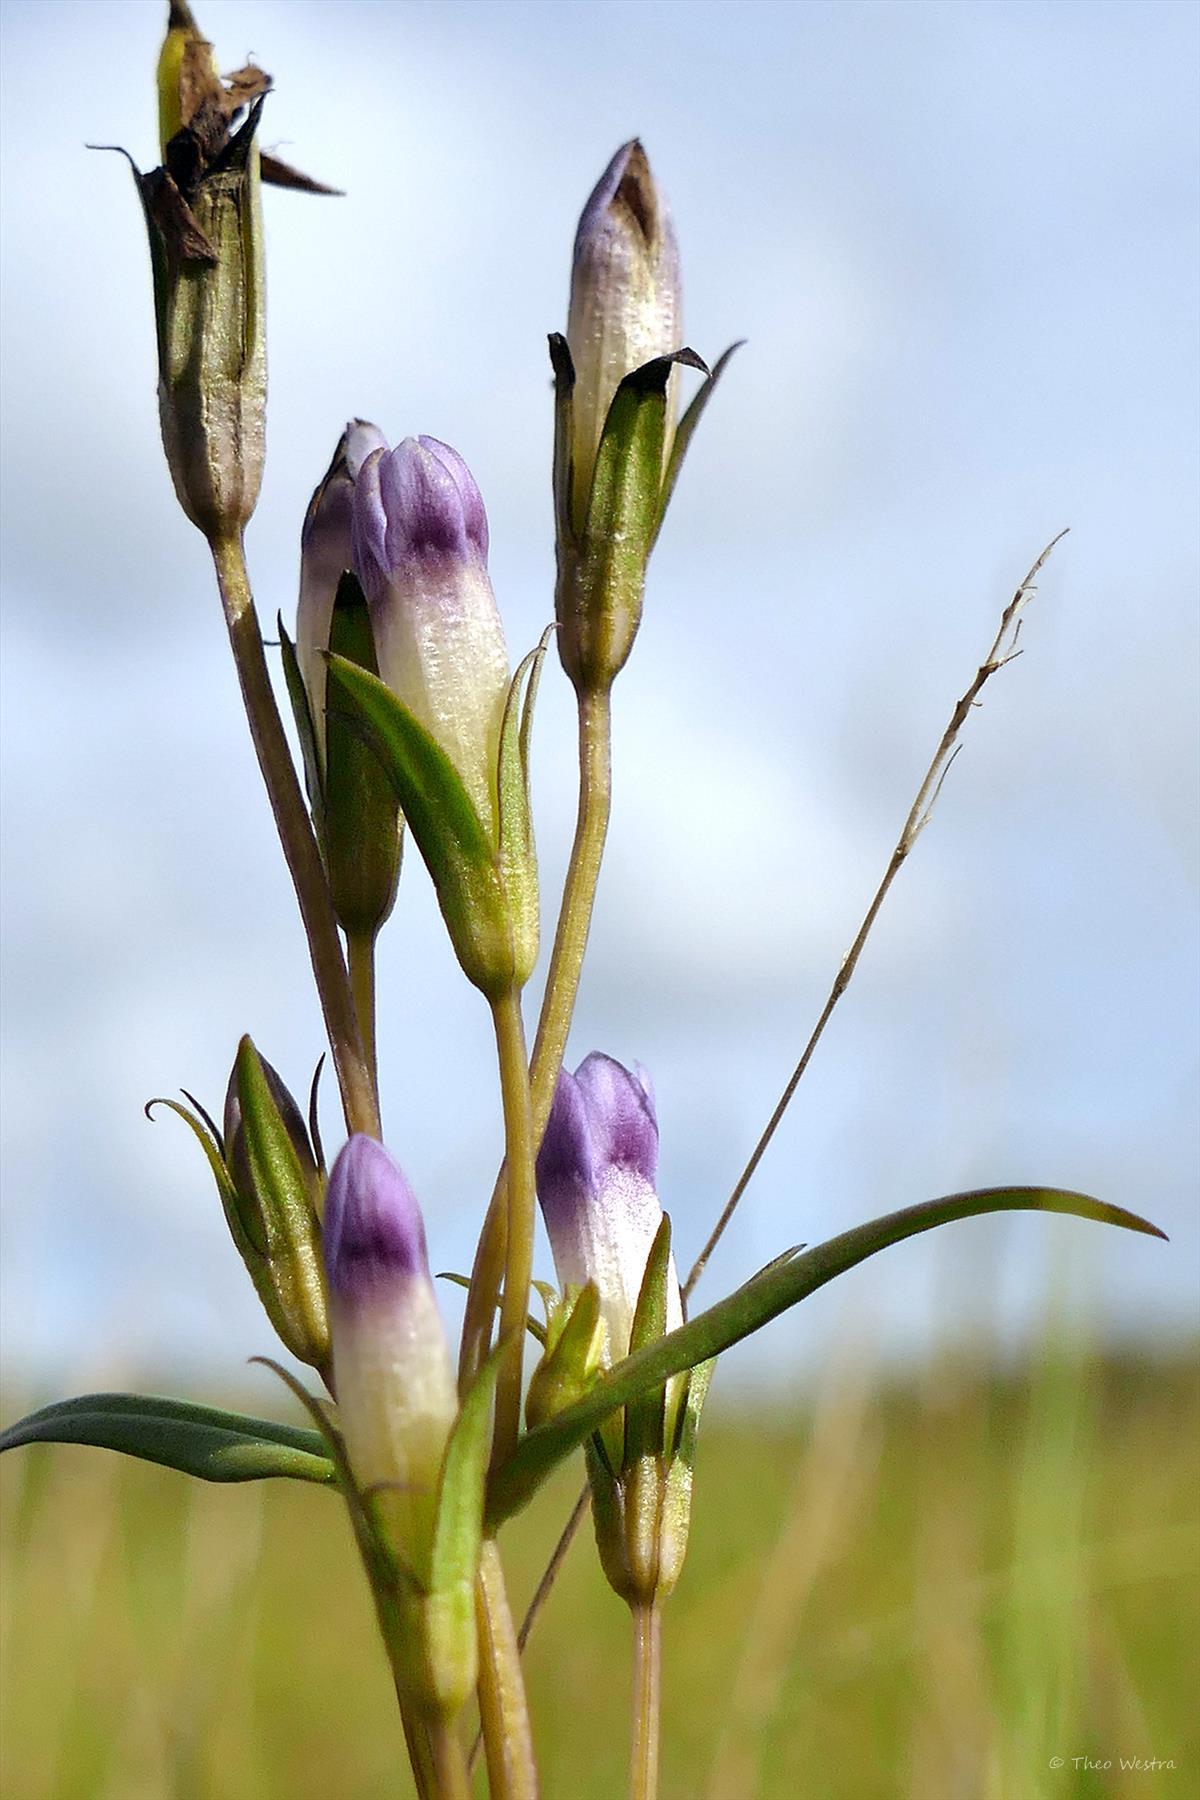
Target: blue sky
961	242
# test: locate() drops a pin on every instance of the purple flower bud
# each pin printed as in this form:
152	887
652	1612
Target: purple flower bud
325	557
626	299
420	541
596	1174
391	1362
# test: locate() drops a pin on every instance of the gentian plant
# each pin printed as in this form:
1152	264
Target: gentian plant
410	720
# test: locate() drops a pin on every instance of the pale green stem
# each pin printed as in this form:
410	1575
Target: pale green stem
296	836
503	1711
419	1755
558	1006
579	895
451	1781
518	1263
360	949
647	1701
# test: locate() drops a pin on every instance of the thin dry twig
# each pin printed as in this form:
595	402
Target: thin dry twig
1004	649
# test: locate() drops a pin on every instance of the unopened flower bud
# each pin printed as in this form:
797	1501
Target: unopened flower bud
397	1403
626	301
396	1391
277	1192
596	1175
355	810
420	540
325	556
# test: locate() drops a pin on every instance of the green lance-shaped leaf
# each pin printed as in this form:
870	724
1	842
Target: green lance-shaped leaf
687	427
443	820
197	1440
780	1286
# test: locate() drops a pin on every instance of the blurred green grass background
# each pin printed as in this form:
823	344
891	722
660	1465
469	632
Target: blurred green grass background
927	1588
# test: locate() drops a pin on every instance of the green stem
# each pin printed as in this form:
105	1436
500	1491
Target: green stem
647	1701
503	1711
558	1006
360	948
518	1262
579	896
417	1739
296	837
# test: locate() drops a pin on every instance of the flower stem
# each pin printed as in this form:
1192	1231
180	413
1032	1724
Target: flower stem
647	1699
503	1712
360	950
579	896
558	1005
296	837
518	1262
451	1781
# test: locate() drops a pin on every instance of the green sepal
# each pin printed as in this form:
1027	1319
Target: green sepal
572	1359
306	732
274	1171
266	1154
458	1530
515	849
599	597
675	1511
566	534
761	1299
231	1201
645	1415
363	824
197	1440
686	429
442	818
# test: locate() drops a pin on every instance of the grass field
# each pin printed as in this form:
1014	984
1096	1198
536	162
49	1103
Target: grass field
928	1591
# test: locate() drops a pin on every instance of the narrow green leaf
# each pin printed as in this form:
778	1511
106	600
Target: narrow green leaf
442	817
780	1286
687	426
198	1440
459	1529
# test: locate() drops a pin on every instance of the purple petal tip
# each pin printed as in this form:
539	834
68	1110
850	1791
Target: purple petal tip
602	1117
373	1232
